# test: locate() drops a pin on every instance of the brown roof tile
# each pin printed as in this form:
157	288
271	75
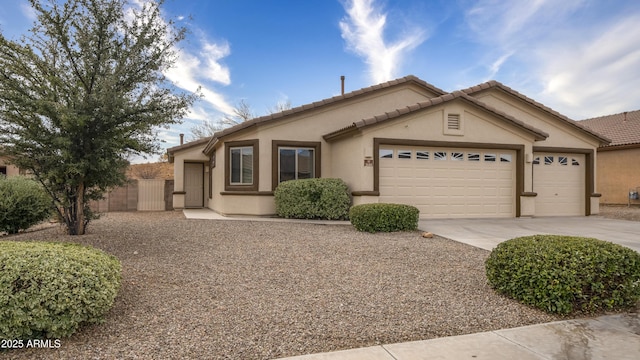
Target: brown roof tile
497	85
253	122
539	134
622	128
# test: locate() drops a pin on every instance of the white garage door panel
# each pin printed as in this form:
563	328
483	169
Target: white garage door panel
559	181
452	187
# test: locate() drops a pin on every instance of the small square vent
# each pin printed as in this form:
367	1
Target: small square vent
453	121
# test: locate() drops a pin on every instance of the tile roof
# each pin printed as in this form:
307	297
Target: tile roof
539	134
622	128
317	104
497	85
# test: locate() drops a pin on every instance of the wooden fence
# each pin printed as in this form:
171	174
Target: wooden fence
138	195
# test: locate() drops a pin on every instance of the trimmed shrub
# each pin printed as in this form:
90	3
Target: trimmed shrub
47	290
322	198
564	274
23	203
383	217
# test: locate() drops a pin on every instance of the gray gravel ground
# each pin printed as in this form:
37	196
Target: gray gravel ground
205	289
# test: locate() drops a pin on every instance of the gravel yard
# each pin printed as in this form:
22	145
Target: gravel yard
261	290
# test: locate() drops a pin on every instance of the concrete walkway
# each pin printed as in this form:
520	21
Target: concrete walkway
615	337
606	337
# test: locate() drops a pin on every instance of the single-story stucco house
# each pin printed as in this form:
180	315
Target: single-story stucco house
618	169
485	151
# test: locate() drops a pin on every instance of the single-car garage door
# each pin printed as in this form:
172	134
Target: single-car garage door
559	181
449	183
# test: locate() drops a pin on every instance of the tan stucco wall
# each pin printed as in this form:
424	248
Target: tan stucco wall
618	171
193	154
560	134
478	127
11	170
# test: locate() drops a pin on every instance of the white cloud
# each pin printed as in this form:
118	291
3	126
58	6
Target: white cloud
595	75
363	30
28	11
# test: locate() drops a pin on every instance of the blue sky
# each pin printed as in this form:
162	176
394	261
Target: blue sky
581	58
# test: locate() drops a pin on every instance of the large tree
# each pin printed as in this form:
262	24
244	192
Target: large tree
85	90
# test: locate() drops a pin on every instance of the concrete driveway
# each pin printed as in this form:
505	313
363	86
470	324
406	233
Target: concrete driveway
487	233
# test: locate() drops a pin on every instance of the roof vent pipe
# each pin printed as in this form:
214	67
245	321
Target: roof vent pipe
342	84
625	117
181	139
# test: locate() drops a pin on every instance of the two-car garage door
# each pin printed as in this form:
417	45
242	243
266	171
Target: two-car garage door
478	183
449	182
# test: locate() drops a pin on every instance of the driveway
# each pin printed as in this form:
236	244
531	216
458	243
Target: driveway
487	233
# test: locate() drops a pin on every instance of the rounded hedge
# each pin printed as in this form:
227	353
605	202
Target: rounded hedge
23	203
322	198
47	290
564	274
382	217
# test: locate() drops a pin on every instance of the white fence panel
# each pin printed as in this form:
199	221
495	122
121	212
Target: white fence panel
151	195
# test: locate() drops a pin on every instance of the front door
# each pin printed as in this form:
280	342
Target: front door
193	185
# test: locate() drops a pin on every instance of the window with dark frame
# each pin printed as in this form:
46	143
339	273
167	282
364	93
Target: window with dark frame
295	163
241	165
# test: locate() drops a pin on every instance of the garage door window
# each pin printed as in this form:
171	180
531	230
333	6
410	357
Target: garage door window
563	160
386	154
505	158
490	157
473	156
457	156
440	155
575	162
404	154
422	155
548	160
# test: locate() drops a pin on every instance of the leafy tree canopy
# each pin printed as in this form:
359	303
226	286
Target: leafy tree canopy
83	91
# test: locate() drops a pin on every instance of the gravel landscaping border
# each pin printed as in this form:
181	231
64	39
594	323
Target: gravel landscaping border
261	290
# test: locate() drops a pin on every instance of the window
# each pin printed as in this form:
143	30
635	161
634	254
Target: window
386	154
296	163
575	162
404	154
563	160
457	156
490	157
473	157
536	161
548	160
294	160
505	158
241	165
440	155
422	155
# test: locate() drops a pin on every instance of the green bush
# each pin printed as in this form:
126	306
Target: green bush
48	289
23	203
564	274
384	217
313	199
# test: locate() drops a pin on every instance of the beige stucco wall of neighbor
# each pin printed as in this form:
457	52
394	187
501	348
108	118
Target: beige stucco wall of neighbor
11	170
192	154
618	171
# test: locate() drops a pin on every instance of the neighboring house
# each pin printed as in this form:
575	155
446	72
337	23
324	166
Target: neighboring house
485	151
618	167
7	169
